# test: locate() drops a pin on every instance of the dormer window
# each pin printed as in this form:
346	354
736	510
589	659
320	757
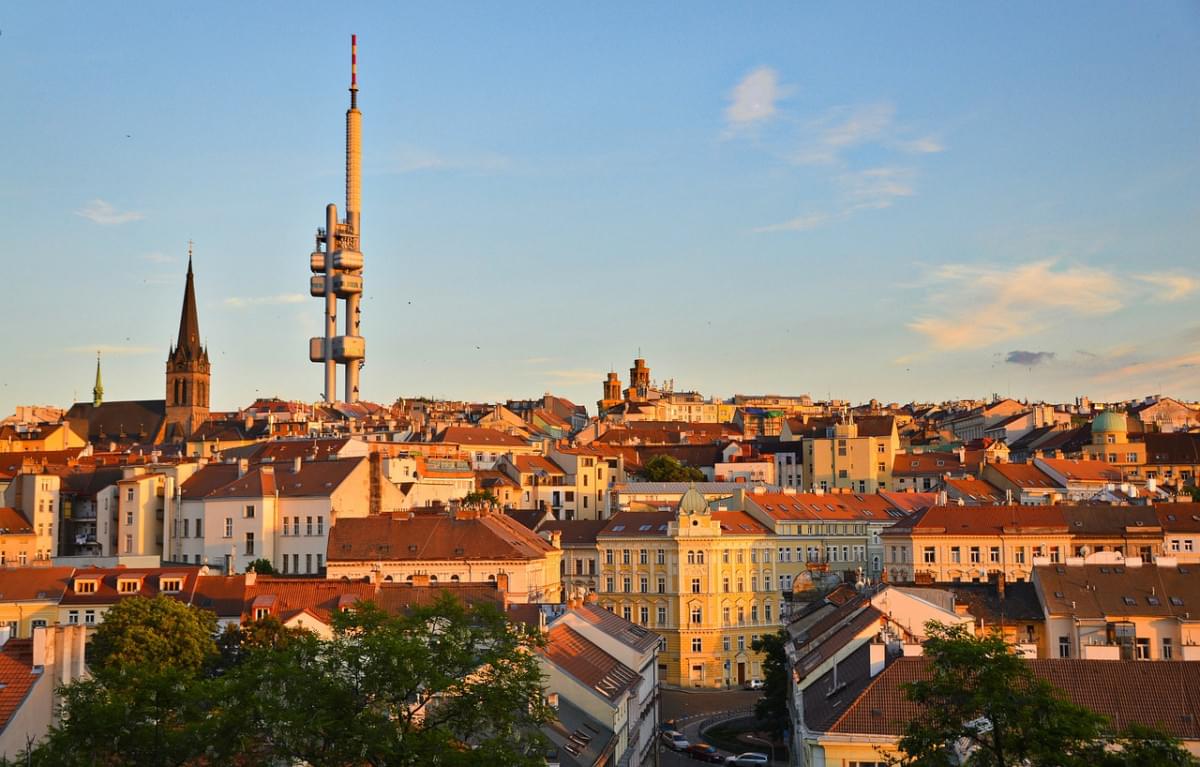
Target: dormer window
85	587
261	613
129	585
171	585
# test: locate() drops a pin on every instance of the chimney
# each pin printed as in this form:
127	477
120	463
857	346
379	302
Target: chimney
420	579
297	462
502	583
243	466
1000	582
556	539
592	598
375	483
251	577
960	608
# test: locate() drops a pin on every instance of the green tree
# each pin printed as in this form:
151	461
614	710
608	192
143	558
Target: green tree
480	498
445	684
983	702
665	468
148	701
771	709
261	566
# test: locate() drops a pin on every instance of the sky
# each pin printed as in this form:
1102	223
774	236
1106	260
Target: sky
916	201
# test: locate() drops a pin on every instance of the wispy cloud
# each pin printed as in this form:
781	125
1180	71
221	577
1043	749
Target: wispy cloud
114	349
840	129
991	304
242	302
752	101
415	160
869	189
103	213
1172	286
1029	359
157	257
574	376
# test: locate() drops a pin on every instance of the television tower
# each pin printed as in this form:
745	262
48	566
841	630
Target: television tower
337	263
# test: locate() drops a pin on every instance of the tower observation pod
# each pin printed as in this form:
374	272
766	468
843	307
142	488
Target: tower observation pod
337	264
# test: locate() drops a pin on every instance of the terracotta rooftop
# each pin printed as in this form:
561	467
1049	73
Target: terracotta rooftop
575	532
1125	692
13	522
16	678
22	584
588	664
975	490
1178	517
433	536
925	464
626	632
638	523
1097	591
825	506
982	520
1024	475
738	523
469	436
1083	471
149	584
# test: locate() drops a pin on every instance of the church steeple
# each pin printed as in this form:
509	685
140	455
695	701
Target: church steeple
188	371
98	389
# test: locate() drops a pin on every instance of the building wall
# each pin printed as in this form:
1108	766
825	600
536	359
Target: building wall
905	555
528	581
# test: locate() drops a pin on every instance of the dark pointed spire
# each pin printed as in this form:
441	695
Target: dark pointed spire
98	389
188	344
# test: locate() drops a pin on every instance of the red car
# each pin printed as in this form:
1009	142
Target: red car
704	753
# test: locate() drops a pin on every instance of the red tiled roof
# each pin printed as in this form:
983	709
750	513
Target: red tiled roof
738	523
21	584
1024	475
1158	694
587	663
424	536
1083	471
922	464
16	679
107	593
13	522
823	506
649	523
975	488
469	436
528	464
983	520
1178	517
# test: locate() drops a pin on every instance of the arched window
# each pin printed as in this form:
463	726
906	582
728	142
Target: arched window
454	579
388	578
408	579
691	557
697	614
699	557
491	579
433	579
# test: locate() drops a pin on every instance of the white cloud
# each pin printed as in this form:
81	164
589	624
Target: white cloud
1172	286
924	145
843	128
103	213
114	349
986	305
242	302
752	100
876	188
803	223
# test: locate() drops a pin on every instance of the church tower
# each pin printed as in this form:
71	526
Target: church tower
98	388
188	370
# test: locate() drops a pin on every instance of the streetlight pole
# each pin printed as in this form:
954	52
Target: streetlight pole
765	742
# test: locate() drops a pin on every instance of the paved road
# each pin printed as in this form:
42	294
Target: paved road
690	709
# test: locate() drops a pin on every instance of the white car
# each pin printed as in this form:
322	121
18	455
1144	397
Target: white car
675	740
748	759
754	684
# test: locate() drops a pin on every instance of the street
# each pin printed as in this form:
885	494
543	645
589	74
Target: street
690	709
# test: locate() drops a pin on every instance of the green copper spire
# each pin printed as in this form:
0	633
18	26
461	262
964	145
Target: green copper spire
98	389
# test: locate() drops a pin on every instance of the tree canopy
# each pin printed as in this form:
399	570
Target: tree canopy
665	468
444	684
771	710
982	706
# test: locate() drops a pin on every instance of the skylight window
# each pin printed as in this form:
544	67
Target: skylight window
1153	601
1176	601
1130	601
618	528
1059	595
644	528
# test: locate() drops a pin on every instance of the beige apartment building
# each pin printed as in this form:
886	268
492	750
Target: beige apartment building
706	581
856	455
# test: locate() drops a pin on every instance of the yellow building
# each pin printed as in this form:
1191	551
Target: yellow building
29	597
854	455
705	581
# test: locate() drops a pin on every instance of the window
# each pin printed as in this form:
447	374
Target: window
608	584
73	617
624	556
320	525
627	584
699	557
725	583
228	527
975	555
295	525
249	544
662	616
85	587
644	614
248	513
691	557
930	555
697	615
129	516
308	527
1064	647
321	563
767	612
754	613
956	555
608	557
1142	648
994	554
285	525
741	642
643	584
725	557
662	585
1167	648
129	544
1054	554
754	555
643	557
185	528
660	557
1019	555
725	643
766	583
308	563
128	586
129	494
695	585
754	583
697	645
626	612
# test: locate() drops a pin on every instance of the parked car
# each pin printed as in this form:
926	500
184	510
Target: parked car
705	753
667	726
748	759
675	740
754	684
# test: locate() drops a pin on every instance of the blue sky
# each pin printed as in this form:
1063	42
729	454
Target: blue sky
879	200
